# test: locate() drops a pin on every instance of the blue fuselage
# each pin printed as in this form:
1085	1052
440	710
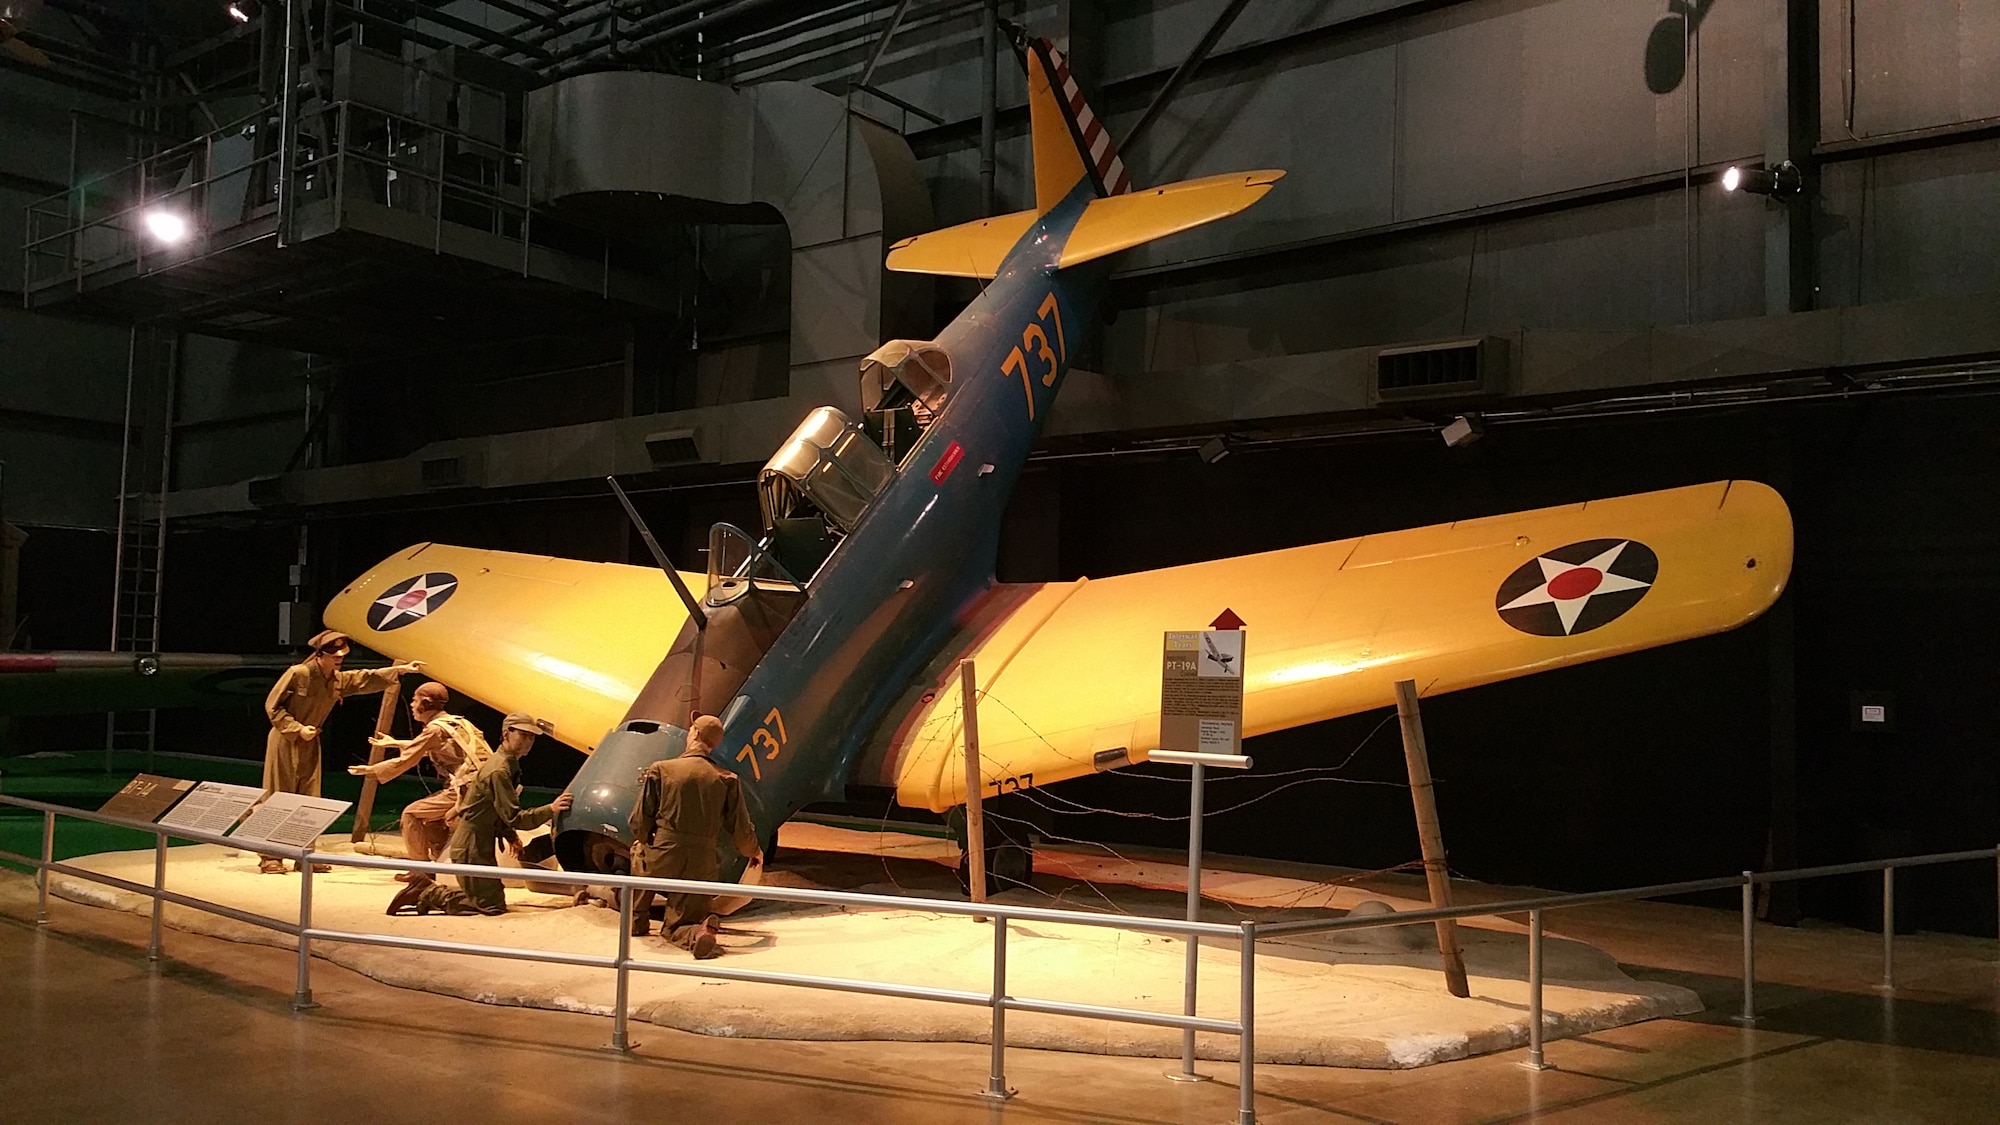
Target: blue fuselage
897	585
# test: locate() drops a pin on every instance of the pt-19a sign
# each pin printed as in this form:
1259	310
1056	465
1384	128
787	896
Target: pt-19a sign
1201	691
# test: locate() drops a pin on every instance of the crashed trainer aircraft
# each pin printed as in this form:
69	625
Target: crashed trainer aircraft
832	637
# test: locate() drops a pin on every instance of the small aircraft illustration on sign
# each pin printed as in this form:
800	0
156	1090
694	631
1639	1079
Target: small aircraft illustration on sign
828	642
1225	662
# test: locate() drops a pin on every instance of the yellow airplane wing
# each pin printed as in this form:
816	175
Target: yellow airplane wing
1070	673
571	642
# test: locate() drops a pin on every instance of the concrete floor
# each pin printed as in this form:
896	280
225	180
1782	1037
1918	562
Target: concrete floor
98	1035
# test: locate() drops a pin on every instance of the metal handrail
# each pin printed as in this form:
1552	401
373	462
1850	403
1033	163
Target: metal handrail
625	963
1001	915
62	244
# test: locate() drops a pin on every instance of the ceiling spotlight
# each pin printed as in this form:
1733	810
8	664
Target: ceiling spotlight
1215	449
243	11
1462	431
167	226
1781	182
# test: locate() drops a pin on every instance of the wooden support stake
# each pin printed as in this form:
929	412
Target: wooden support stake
975	817
1428	833
384	716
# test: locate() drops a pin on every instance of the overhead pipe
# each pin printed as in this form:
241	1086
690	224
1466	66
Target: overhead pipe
643	27
989	95
745	8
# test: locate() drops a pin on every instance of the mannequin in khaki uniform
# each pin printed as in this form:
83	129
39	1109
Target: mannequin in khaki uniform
488	812
297	706
685	805
453	745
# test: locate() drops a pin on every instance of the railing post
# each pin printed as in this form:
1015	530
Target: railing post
1535	1061
302	995
996	1083
1888	929
159	885
622	992
42	873
1246	1017
1749	1014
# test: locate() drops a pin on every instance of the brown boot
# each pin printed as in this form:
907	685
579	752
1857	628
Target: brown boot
318	868
642	913
408	898
270	865
703	947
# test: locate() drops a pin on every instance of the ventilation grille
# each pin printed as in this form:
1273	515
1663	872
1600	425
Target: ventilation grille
443	472
672	447
1449	369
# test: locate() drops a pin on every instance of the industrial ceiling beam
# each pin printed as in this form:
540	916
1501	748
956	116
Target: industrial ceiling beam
1185	71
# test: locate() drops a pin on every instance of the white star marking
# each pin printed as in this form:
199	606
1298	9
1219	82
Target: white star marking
414	602
1569	609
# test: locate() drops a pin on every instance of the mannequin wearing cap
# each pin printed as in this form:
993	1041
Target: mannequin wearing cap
453	745
299	703
685	806
488	811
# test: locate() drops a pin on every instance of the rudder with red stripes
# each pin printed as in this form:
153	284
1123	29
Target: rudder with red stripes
1070	141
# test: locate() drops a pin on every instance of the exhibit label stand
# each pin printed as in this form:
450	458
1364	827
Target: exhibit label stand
1201	725
1189	975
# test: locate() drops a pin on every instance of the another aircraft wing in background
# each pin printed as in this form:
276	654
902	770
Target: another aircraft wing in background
1070	672
570	642
72	683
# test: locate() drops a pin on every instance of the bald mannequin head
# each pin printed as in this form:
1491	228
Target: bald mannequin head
705	734
429	700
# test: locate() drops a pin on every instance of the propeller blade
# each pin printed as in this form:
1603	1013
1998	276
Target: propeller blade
24	52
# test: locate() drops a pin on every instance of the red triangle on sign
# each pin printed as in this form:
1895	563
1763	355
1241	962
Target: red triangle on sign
1228	620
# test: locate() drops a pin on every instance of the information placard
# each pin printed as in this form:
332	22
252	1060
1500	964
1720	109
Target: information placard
146	797
212	807
1201	692
291	819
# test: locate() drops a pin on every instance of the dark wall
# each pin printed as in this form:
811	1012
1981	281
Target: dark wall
1650	767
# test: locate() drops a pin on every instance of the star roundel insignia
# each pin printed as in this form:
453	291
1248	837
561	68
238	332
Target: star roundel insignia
412	599
1577	588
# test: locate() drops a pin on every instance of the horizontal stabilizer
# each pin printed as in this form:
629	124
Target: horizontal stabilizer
1108	225
973	249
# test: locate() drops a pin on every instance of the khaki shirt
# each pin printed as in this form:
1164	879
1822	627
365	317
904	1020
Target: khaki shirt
690	801
303	697
453	745
490	803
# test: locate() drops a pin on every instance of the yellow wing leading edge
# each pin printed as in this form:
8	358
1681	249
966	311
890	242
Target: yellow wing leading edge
571	642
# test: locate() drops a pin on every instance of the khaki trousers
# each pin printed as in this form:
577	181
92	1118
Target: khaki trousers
424	831
684	913
290	765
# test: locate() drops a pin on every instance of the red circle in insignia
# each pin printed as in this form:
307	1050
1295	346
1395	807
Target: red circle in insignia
413	598
1576	583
